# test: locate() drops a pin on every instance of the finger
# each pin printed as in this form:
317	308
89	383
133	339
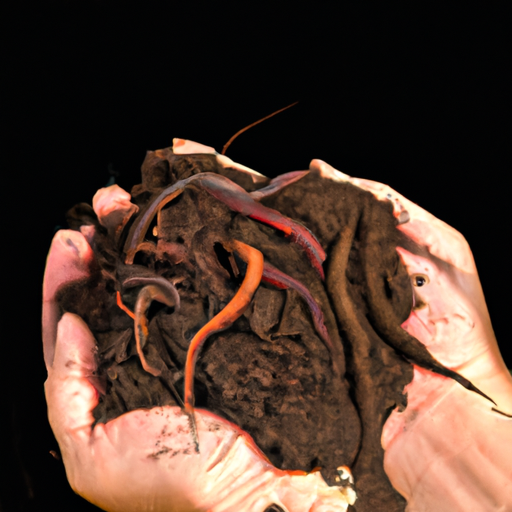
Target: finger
113	207
295	492
327	171
189	147
441	241
379	190
70	259
445	317
439	238
70	394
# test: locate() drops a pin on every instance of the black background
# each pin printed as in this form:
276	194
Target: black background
413	98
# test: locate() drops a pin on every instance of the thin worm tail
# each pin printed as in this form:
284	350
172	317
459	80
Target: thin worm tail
239	132
281	280
383	317
121	305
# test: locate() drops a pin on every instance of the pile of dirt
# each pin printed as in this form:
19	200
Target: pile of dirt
270	372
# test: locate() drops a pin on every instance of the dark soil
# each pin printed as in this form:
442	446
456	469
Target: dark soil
270	372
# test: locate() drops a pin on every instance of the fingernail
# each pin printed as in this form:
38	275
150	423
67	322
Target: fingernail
403	217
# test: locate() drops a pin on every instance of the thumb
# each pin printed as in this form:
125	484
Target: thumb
70	259
70	394
68	343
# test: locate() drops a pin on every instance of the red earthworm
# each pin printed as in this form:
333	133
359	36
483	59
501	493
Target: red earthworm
121	305
281	280
223	319
239	132
157	291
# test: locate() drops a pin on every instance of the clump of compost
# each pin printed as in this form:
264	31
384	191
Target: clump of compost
312	380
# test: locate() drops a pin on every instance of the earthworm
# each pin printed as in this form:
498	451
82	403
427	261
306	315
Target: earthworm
146	296
239	132
223	319
156	288
165	285
381	310
121	305
281	280
236	198
361	338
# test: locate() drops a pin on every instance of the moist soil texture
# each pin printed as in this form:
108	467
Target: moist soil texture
306	405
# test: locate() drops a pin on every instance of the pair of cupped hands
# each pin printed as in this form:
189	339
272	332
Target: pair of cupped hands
448	451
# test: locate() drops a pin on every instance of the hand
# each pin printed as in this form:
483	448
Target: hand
448	450
145	459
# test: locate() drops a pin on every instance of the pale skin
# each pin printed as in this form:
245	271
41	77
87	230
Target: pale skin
145	460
